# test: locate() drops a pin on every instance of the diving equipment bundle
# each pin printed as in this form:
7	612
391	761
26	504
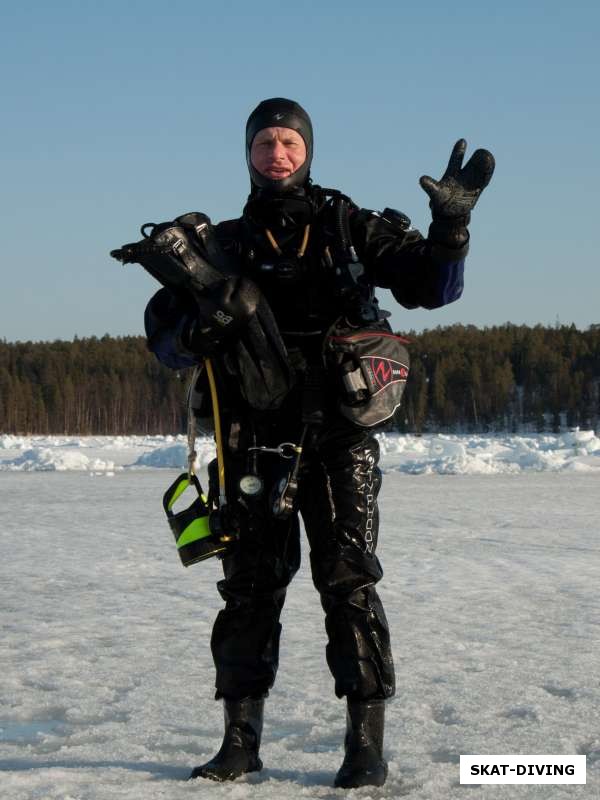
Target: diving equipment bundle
185	256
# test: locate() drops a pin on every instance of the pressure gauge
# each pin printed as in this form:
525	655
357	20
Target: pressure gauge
251	485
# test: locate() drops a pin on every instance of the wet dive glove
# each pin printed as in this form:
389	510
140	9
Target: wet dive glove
223	311
453	197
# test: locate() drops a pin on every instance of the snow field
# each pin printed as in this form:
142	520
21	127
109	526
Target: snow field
490	588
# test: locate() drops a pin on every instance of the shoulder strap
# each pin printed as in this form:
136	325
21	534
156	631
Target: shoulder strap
352	285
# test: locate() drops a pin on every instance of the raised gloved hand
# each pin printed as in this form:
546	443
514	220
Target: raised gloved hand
456	193
452	198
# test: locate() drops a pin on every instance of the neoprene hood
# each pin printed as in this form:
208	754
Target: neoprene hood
277	112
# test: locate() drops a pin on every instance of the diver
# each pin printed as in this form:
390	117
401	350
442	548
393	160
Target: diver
300	399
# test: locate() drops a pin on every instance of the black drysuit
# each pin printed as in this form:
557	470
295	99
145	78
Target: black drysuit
339	478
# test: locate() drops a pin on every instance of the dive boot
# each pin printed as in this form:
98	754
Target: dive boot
239	751
363	763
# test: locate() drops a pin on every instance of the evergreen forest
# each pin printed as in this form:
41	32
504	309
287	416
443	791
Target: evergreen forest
462	379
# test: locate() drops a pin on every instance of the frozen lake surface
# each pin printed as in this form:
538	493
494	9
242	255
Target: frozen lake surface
490	587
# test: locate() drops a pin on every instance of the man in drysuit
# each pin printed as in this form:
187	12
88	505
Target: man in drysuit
316	259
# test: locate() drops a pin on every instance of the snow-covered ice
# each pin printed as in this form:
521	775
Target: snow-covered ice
474	454
492	563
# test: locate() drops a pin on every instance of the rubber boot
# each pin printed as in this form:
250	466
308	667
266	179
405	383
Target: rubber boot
363	763
239	751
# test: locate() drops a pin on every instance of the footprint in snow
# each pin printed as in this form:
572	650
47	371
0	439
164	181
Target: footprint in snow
446	715
556	691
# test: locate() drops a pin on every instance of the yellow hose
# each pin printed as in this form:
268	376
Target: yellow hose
218	436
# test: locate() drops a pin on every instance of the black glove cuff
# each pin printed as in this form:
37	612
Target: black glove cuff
454	248
449	231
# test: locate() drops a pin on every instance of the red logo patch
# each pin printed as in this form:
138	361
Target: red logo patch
385	371
382	371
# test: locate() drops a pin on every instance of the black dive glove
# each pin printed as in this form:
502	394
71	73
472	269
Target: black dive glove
454	196
223	311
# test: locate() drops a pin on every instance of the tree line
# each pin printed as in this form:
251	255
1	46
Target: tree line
107	386
502	378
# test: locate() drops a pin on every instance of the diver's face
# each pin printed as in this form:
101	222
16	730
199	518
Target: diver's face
277	152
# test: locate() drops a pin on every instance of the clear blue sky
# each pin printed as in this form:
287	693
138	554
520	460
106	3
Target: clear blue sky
116	114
